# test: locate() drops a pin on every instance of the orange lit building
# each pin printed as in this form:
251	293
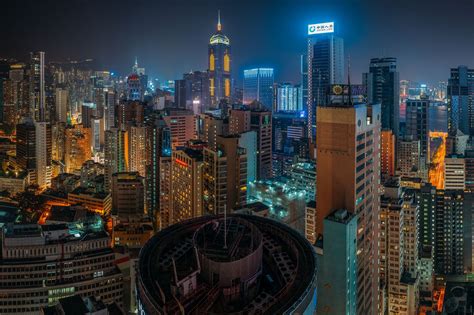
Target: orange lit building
186	185
348	170
436	171
387	154
78	147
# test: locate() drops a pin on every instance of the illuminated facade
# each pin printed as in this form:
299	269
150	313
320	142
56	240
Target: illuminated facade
219	56
138	149
42	264
408	157
348	170
182	126
387	154
43	154
437	166
258	86
186	184
116	154
37	87
78	147
224	176
100	203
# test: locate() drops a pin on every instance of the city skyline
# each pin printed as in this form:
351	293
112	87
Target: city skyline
168	49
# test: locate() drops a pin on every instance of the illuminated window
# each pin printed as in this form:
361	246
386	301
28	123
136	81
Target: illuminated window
211	62
227	87
211	86
226	62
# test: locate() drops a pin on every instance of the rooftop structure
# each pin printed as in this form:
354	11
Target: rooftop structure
244	264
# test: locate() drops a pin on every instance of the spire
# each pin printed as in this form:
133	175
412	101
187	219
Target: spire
219	26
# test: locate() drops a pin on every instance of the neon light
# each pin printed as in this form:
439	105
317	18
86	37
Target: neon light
181	163
321	28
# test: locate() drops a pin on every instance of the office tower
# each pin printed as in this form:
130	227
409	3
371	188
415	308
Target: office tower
78	147
209	266
337	273
258	86
399	249
43	154
224	176
289	98
460	100
383	87
26	147
387	154
417	124
38	109
137	139
212	127
58	140
192	92
158	158
74	261
348	175
109	109
219	57
98	133
61	105
325	67
408	157
182	125
129	113
186	184
116	154
454	173
16	97
135	90
88	110
128	195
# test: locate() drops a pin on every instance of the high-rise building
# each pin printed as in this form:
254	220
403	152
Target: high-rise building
137	151
192	92
129	113
233	260
383	87
399	249
248	141
186	184
182	125
387	154
38	109
16	98
61	105
116	154
348	176
454	173
337	273
260	121
289	98
469	170
417	123
26	146
212	127
219	57
408	157
325	67
51	262
258	86
128	195
460	100
224	176
78	147
135	91
43	154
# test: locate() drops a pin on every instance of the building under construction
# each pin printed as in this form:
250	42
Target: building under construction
240	265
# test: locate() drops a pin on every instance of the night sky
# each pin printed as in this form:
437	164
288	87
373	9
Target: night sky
171	37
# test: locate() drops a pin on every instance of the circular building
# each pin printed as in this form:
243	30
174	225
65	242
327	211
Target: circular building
242	265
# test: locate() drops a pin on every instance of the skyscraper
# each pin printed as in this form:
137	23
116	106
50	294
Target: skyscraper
348	176
128	195
383	87
289	98
43	154
325	67
219	57
258	86
61	105
192	92
116	154
78	147
387	154
460	100
37	87
417	123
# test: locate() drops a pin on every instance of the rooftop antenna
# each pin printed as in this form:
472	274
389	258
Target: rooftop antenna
219	26
225	226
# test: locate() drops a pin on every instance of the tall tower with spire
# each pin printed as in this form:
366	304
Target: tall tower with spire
219	58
